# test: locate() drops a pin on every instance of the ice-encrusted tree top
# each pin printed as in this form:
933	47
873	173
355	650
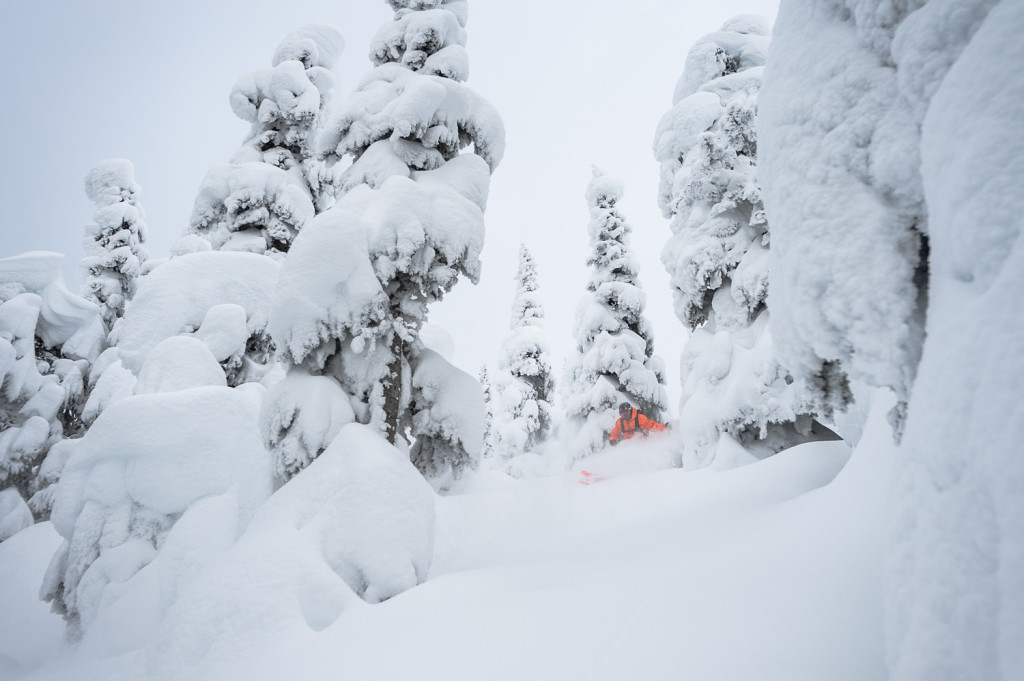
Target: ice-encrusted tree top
285	102
412	112
114	240
277	181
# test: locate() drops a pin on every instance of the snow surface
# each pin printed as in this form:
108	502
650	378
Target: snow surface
769	571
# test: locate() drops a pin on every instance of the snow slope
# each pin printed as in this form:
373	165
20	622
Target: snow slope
768	571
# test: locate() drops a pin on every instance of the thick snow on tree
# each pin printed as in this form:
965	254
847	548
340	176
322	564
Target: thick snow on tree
896	157
524	384
615	360
114	251
220	298
253	207
301	416
447	407
278	179
717	257
408	225
141	465
49	338
841	177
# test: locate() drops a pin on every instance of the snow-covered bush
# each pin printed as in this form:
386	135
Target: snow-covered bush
893	155
717	256
356	287
524	384
615	360
140	466
358	523
49	338
277	181
114	251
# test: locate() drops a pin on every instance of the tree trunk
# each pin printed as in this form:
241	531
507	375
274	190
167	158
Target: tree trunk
393	390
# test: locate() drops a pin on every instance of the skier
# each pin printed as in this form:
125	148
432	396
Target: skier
632	422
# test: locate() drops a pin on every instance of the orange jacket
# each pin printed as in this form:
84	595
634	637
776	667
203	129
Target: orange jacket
633	424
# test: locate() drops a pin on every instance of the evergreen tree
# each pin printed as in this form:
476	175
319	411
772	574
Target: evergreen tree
488	387
407	225
114	240
277	181
718	253
615	360
525	385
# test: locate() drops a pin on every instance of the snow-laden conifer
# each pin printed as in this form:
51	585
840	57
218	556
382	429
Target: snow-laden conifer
114	240
615	360
892	153
277	181
717	256
489	403
408	225
525	385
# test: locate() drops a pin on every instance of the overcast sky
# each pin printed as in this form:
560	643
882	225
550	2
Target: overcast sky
577	84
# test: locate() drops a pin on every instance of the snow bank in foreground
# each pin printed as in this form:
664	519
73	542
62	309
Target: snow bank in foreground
767	571
772	570
144	462
29	632
358	521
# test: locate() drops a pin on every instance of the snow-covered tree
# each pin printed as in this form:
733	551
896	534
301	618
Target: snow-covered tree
356	287
892	152
717	256
114	240
277	181
525	384
488	388
615	360
49	338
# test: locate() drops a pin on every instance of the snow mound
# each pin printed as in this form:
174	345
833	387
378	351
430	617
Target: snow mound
123	487
176	296
179	363
358	521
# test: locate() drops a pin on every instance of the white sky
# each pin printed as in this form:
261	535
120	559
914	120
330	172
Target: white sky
577	84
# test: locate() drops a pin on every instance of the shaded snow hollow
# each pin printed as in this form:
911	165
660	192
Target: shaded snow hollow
767	571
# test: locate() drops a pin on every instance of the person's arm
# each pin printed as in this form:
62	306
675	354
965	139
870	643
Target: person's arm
649	424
